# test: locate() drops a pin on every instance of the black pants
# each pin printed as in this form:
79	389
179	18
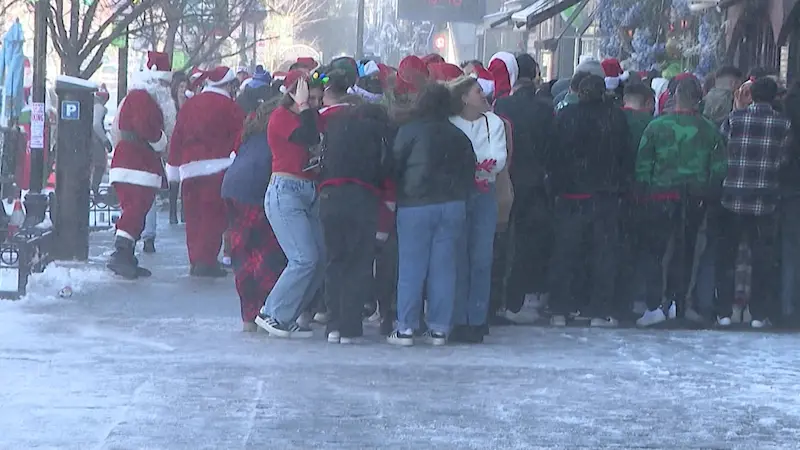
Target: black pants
656	223
760	233
386	276
586	234
349	216
531	245
501	262
174	189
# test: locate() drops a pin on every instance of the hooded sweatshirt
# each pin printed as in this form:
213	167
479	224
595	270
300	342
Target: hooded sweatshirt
504	69
717	104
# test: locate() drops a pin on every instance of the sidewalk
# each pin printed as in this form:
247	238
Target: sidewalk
162	364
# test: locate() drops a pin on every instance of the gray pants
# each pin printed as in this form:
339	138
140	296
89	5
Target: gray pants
150	223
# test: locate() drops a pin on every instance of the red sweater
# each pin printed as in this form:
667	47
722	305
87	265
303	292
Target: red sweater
289	142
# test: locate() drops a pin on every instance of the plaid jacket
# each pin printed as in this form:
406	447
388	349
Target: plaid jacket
758	140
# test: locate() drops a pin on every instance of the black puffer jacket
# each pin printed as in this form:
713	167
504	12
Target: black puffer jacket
593	150
532	135
433	163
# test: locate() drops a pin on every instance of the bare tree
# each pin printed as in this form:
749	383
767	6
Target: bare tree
82	32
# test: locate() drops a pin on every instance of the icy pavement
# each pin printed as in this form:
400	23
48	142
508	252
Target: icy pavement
161	364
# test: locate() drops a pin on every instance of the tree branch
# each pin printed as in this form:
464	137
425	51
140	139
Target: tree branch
86	26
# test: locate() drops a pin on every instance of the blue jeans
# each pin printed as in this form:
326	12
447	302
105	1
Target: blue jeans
790	254
292	207
150	223
427	247
474	279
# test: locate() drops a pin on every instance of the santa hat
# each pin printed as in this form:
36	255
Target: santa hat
504	70
384	73
444	71
413	73
611	67
485	80
291	79
159	66
218	76
141	116
433	58
102	94
307	63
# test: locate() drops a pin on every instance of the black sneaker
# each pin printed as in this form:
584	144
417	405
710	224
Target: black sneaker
149	246
401	339
466	334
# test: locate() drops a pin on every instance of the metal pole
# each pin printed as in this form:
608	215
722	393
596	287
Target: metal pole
122	71
35	201
255	46
360	30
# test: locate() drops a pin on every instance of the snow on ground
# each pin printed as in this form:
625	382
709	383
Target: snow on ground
161	364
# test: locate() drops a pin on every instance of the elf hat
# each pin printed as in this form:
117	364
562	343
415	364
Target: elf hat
159	66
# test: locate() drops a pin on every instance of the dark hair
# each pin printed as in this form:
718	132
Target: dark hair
458	88
352	99
474	62
177	79
761	72
639	91
577	78
528	67
257	121
764	90
728	71
688	94
592	89
433	101
338	82
709	83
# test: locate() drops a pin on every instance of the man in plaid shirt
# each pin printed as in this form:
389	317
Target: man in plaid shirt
757	146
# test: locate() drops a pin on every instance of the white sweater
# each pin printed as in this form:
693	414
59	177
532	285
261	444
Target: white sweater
488	137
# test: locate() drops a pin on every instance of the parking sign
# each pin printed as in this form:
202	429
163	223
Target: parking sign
70	110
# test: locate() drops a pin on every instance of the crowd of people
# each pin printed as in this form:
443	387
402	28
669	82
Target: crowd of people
442	199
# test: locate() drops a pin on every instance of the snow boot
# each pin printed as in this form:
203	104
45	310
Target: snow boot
141	272
149	246
122	261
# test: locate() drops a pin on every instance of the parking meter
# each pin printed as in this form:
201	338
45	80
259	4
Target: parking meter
70	214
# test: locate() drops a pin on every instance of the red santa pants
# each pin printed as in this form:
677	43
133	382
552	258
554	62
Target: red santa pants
205	216
135	201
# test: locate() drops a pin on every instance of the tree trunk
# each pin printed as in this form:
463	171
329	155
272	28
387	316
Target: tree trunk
172	32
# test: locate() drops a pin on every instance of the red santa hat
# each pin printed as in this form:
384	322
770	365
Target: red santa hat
102	94
307	63
444	71
611	67
413	72
384	73
485	80
504	69
219	76
291	80
159	66
433	58
141	115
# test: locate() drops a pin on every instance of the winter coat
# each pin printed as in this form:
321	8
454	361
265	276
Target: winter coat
247	178
433	163
488	137
570	98
681	151
637	122
593	150
356	148
532	135
790	172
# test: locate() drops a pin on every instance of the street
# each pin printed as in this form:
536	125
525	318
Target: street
162	364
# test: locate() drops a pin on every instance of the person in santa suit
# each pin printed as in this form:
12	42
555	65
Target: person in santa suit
140	133
208	129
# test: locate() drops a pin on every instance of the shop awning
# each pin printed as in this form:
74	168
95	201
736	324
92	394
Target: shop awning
540	11
499	19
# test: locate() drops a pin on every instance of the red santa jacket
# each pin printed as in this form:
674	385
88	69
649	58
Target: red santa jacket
137	158
208	128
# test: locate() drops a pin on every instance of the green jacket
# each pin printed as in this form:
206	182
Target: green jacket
681	150
637	122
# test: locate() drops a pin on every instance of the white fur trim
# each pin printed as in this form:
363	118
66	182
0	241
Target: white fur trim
161	75
283	89
188	94
612	83
217	90
586	58
173	173
625	75
124	234
511	65
487	86
204	167
230	75
132	176
161	145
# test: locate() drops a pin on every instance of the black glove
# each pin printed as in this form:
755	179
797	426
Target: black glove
109	148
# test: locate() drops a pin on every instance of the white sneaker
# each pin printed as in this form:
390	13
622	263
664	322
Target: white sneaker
558	321
736	315
724	321
672	312
604	322
403	338
652	317
526	315
760	323
434	338
321	317
334	337
348	340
